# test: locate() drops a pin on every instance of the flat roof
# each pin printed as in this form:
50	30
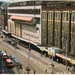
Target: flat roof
8	60
55	48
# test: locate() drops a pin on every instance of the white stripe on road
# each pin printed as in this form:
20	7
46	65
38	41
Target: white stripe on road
64	72
61	73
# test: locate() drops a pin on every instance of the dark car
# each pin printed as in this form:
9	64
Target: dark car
3	72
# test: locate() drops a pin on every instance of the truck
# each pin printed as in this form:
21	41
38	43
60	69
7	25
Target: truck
50	51
53	50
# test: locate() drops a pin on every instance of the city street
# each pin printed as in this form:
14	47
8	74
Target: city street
8	70
40	64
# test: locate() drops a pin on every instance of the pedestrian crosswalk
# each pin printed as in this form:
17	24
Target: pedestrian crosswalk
62	73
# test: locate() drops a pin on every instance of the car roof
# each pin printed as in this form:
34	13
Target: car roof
8	60
56	48
4	53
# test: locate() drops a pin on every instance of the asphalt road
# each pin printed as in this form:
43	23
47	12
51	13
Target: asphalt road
35	60
23	58
7	70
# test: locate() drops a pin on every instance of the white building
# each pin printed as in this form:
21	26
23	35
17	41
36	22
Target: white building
24	20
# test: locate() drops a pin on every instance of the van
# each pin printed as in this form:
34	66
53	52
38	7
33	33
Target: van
53	50
4	55
9	63
12	56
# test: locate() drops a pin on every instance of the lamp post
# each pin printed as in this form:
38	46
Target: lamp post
66	52
29	51
52	62
66	39
2	61
27	68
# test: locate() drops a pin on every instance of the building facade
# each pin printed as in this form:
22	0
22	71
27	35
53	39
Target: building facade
58	22
48	23
24	21
4	22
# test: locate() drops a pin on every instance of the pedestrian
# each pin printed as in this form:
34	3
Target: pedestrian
5	51
46	70
68	67
57	60
41	55
71	69
34	72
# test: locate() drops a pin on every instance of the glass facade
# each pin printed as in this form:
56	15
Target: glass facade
44	28
57	28
50	28
73	33
65	29
60	24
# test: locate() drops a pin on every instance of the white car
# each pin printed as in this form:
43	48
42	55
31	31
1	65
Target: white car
4	53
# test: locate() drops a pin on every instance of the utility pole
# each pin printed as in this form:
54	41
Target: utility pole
2	61
29	49
66	51
66	39
52	62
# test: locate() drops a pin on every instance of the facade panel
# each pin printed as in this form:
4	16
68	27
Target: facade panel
29	34
72	43
13	28
65	30
17	29
50	28
57	28
44	27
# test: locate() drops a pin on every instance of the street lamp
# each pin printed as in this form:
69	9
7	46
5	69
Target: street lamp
66	52
27	68
52	62
2	61
65	38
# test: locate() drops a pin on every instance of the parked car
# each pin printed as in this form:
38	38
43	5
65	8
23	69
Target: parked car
3	72
9	63
4	55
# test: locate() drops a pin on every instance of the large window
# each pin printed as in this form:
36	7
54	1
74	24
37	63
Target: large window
44	15
65	16
73	33
50	15
57	15
73	17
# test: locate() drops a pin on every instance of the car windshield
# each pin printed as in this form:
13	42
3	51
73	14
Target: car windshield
9	62
58	51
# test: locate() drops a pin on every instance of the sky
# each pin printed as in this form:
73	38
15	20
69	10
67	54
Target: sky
35	0
5	0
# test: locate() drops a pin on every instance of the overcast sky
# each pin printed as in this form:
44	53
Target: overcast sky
5	0
35	0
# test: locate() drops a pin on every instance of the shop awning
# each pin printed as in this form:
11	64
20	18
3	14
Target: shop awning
24	40
72	61
19	38
5	31
67	58
50	53
60	55
22	18
42	48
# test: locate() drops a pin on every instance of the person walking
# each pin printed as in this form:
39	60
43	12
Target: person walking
34	72
68	68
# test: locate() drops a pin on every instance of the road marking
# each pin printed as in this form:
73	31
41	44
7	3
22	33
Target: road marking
57	73
61	73
64	72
